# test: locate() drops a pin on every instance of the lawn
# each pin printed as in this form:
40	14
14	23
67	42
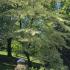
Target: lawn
6	66
9	63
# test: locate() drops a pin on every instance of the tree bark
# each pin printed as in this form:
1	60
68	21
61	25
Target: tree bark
20	24
9	49
28	57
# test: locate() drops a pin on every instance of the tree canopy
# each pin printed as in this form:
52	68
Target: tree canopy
39	27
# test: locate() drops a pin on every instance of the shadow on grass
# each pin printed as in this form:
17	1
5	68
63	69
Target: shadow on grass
5	66
7	63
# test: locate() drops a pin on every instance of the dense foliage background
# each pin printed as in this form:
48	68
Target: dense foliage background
38	30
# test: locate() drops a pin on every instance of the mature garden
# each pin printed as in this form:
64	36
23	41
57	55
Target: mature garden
37	31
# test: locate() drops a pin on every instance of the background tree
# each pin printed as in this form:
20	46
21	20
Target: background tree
41	26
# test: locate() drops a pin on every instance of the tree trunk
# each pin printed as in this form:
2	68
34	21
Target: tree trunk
28	57
20	24
9	49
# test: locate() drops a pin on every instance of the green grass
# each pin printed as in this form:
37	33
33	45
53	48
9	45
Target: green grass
6	66
9	65
3	53
33	59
